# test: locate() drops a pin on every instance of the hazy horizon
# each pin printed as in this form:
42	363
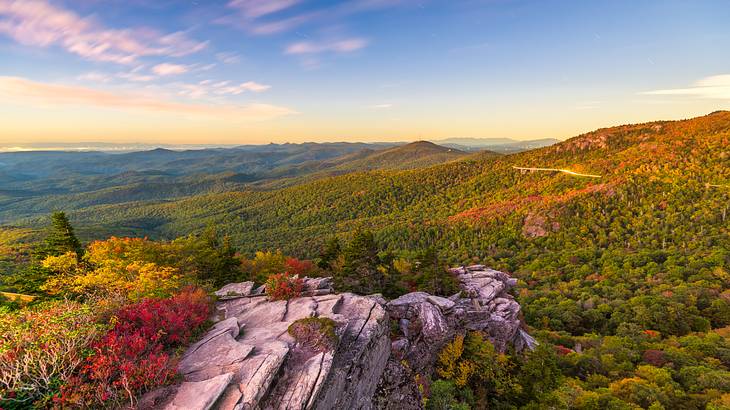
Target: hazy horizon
143	146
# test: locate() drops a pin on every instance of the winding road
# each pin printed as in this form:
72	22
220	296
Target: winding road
565	171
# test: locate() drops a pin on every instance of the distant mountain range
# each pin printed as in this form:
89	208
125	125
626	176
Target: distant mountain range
503	145
464	144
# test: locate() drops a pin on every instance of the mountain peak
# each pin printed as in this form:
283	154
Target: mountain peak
423	145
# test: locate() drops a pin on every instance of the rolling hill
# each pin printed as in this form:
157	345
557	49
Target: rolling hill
36	183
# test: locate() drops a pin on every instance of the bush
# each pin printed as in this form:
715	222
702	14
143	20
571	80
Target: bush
472	363
299	267
284	286
136	355
315	333
444	396
42	346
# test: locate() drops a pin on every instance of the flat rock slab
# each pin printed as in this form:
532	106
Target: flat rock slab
214	357
442	303
235	290
200	395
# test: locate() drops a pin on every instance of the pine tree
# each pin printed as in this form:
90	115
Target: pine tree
361	273
213	259
331	251
61	238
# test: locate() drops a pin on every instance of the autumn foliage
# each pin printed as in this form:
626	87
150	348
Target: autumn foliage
137	354
41	346
284	286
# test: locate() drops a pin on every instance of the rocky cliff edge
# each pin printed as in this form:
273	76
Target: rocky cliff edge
249	360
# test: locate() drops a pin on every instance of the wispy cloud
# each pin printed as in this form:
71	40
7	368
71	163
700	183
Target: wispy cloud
136	77
257	8
170	69
228	58
39	23
209	87
53	95
95	76
277	16
252	16
382	106
713	87
336	46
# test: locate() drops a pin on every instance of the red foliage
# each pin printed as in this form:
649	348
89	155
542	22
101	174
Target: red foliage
298	267
652	333
284	286
562	350
133	357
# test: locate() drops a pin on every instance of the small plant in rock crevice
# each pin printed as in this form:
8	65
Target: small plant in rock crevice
315	333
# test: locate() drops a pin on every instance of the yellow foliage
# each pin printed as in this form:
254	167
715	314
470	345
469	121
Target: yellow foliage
136	280
403	266
721	403
153	279
66	267
113	268
465	370
450	357
62	264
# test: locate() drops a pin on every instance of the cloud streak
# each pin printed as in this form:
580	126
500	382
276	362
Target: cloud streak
170	69
209	87
41	24
257	8
337	46
53	95
715	87
266	17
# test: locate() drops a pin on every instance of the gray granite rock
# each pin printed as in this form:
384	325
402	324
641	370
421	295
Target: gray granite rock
200	395
235	290
248	360
426	323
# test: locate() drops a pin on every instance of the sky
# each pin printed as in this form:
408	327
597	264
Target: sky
255	71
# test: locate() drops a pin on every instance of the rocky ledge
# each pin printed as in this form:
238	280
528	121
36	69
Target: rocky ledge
249	360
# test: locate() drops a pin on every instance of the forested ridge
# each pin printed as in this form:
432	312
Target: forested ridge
624	279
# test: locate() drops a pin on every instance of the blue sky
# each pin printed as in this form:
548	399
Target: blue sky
254	71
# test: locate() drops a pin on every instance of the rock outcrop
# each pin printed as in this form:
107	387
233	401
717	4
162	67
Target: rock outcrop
248	359
426	323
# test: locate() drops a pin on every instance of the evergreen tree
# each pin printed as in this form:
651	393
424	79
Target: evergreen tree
213	259
61	238
433	277
332	249
362	273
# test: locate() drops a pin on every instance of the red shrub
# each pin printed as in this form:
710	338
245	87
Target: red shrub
298	267
134	356
284	286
